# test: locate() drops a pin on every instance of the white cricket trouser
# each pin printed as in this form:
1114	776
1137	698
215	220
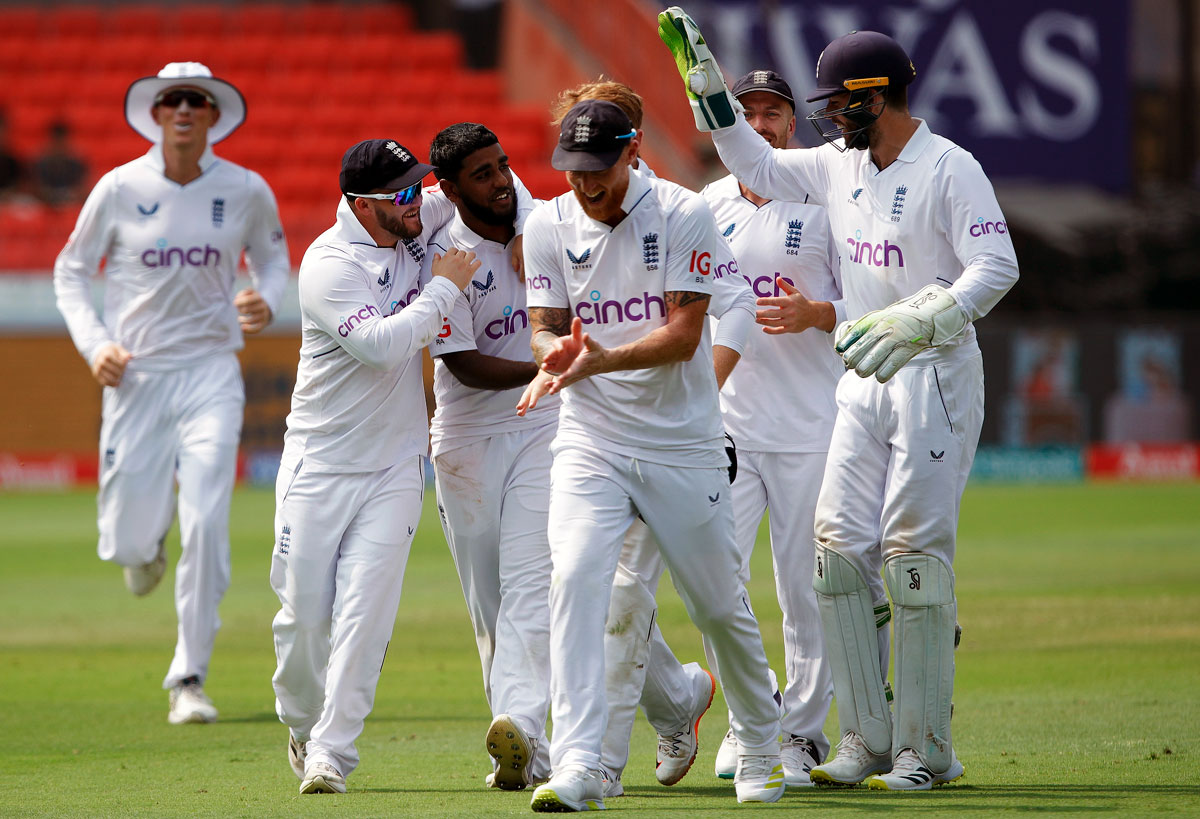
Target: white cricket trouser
594	497
494	498
341	544
788	483
899	460
898	463
158	428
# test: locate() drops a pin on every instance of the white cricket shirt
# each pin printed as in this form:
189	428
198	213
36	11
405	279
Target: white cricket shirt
359	402
791	376
489	317
931	217
172	255
614	279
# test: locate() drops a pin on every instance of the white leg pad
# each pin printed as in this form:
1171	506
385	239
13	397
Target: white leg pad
852	644
922	590
626	653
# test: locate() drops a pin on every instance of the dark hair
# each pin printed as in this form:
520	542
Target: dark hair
454	144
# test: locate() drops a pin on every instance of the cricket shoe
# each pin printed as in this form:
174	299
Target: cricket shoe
759	778
911	774
321	777
574	788
853	763
799	755
297	751
612	785
512	749
727	756
141	580
677	749
189	703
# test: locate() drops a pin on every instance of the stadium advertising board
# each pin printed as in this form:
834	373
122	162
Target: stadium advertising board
1035	89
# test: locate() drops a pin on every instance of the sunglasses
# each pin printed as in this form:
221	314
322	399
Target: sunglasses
194	99
401	197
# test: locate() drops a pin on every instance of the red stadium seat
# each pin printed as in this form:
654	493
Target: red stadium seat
139	19
75	20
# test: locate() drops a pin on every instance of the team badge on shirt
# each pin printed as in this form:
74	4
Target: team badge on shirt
285	539
386	278
795	232
415	250
488	285
898	202
218	212
650	251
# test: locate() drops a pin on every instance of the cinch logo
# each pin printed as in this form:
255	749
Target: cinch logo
539	283
982	228
701	262
615	312
513	322
874	255
764	286
400	304
348	324
163	256
729	268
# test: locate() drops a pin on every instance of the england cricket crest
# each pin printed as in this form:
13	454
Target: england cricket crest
218	212
898	202
414	250
650	251
791	241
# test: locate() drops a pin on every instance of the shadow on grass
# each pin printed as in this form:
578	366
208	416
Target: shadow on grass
261	716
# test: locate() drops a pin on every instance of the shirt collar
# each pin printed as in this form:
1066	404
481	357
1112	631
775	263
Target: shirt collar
159	162
916	143
639	185
349	228
463	237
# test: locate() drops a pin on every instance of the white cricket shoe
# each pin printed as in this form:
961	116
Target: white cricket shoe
512	750
189	703
612	785
799	755
321	777
141	580
759	778
574	788
297	751
853	763
727	756
911	774
677	750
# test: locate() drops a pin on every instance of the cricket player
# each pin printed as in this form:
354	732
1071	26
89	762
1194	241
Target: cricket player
351	479
172	225
925	252
784	251
493	466
639	433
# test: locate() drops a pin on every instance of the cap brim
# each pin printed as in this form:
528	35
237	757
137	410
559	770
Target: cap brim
139	100
564	160
752	89
410	177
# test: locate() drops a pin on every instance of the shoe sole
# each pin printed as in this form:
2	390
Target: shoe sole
712	692
507	745
823	780
548	802
877	783
318	784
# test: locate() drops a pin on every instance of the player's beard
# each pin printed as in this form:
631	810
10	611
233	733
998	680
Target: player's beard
391	219
489	215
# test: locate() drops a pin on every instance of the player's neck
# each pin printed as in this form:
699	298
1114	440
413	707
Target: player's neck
754	198
502	234
889	138
182	164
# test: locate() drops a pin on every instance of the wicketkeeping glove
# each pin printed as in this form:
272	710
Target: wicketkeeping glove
712	104
883	341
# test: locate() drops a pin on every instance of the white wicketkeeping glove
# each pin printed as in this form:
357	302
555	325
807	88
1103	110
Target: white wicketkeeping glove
883	341
712	104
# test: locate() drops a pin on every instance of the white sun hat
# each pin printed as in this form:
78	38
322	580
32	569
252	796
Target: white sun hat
139	100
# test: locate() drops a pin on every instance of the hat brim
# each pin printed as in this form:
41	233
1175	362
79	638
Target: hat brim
564	160
753	88
411	177
139	100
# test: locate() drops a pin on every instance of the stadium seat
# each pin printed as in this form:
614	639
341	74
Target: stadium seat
75	20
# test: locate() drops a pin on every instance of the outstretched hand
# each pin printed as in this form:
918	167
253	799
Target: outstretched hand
573	358
793	312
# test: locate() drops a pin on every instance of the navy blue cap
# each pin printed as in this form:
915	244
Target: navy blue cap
380	163
594	134
861	59
763	80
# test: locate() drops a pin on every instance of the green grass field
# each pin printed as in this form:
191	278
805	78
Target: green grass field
1076	689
